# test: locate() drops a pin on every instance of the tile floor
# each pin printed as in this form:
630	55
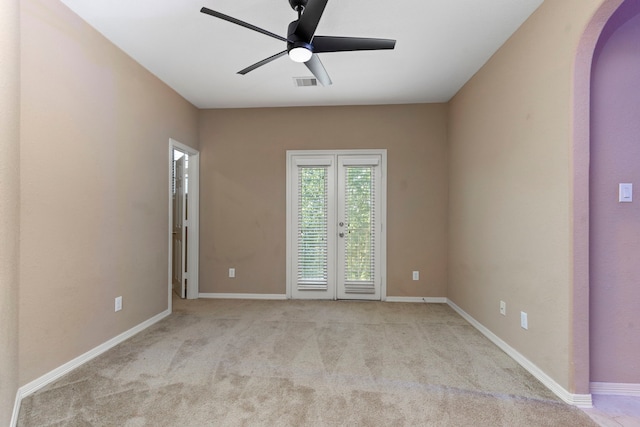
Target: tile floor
615	411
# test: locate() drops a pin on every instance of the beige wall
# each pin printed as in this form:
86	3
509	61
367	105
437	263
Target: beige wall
243	200
510	188
9	203
94	172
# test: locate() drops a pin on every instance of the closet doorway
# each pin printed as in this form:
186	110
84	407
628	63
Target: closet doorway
183	220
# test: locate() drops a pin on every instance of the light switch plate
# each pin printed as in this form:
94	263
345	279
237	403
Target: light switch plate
625	192
416	275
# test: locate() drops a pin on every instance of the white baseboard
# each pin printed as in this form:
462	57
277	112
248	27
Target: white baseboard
615	389
428	300
579	400
242	296
50	377
215	295
16	410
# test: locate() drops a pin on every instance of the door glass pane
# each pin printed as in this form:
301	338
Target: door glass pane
312	226
360	221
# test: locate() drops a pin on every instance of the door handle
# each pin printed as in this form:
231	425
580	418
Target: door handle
341	234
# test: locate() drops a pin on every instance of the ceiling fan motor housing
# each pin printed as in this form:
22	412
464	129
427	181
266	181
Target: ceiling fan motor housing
293	40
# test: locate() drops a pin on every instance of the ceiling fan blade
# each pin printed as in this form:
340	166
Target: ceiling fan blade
309	20
315	66
344	44
241	23
263	62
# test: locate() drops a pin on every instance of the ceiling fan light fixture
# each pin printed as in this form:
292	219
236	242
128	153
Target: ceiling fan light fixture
300	54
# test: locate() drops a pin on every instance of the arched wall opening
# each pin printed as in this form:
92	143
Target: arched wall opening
590	351
614	227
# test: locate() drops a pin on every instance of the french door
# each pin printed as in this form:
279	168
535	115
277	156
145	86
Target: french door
336	206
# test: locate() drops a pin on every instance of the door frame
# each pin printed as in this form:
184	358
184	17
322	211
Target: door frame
193	230
383	210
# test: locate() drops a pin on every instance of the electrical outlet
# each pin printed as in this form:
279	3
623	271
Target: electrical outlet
232	272
416	275
503	308
118	304
524	321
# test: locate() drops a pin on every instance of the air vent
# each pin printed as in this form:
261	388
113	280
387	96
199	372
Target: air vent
305	81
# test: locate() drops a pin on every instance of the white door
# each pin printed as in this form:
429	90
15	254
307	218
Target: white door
179	246
359	222
335	226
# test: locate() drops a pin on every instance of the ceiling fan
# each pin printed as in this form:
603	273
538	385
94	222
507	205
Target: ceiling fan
303	44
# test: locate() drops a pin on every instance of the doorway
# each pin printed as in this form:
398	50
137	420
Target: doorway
183	220
336	215
613	220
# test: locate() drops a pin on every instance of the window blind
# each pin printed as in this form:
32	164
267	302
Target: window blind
312	228
359	271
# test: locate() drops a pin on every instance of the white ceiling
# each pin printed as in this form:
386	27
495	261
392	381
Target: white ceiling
440	46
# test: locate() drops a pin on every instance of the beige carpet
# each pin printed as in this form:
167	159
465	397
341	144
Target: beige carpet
301	363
